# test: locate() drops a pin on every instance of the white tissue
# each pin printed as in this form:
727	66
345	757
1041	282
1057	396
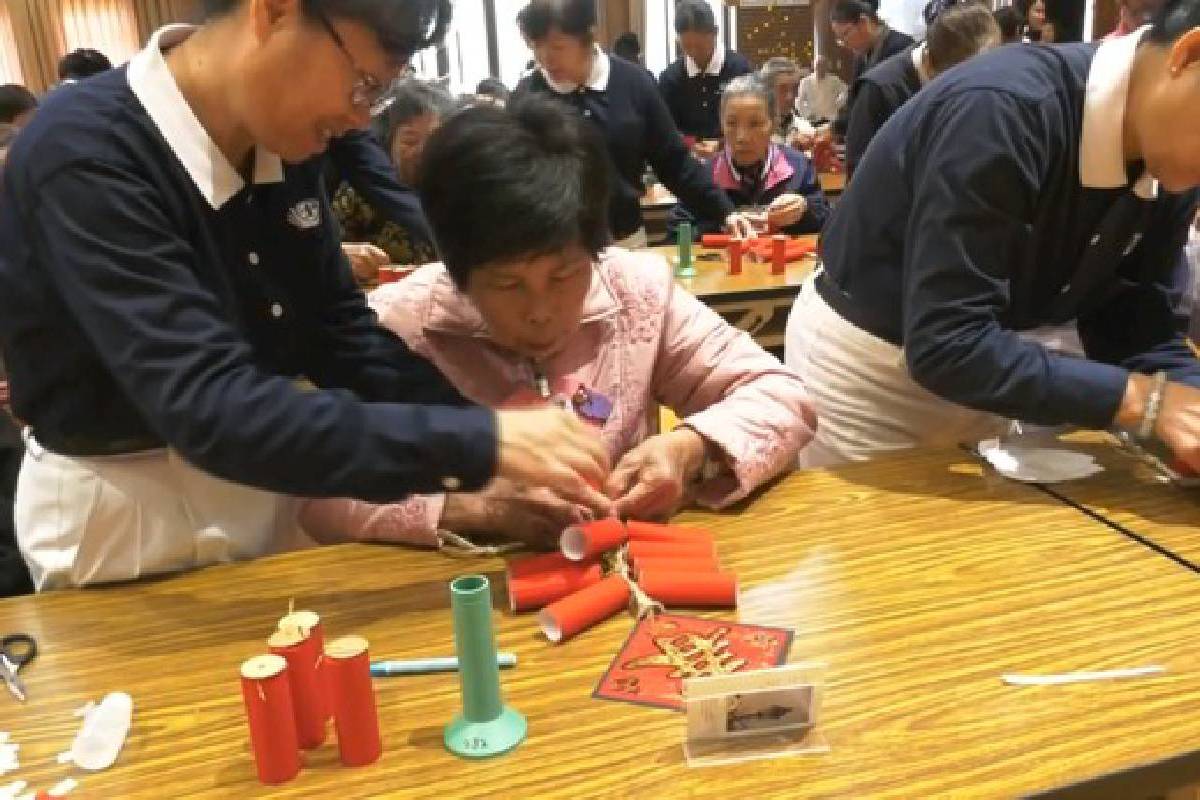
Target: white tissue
103	732
1032	464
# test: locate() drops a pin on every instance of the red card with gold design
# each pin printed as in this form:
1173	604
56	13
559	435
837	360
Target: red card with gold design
666	648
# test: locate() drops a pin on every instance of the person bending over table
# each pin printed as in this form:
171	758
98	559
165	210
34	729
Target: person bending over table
955	35
532	303
1030	186
182	332
776	183
623	103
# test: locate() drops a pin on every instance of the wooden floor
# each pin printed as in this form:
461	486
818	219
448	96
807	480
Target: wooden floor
918	580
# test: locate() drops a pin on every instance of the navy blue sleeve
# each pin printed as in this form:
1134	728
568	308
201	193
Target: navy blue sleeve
806	182
671	90
365	164
871	109
981	160
132	284
1139	328
674	164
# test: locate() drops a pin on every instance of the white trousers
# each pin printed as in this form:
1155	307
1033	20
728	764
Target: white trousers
867	404
82	521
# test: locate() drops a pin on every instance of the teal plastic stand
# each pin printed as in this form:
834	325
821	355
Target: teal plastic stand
683	241
486	727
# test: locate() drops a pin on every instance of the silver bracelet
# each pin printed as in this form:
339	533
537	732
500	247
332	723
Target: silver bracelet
1149	420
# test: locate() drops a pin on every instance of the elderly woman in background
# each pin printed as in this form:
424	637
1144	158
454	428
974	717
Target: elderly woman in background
775	183
782	78
533	306
403	128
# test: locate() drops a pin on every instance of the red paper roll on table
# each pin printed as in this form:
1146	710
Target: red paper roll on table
347	670
695	564
716	239
711	589
735	256
580	610
680	548
267	694
580	542
309	701
778	254
537	589
657	532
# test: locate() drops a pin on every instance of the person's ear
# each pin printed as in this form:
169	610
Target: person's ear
268	15
1184	52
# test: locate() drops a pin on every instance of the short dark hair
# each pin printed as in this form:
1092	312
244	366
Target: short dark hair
499	184
15	100
402	26
847	11
411	98
958	33
627	46
694	16
1174	19
573	17
7	134
1010	22
82	63
493	87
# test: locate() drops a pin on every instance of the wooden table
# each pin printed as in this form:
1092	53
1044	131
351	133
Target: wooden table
832	183
916	579
755	301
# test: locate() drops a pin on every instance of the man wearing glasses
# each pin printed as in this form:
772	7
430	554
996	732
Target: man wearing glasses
858	28
183	336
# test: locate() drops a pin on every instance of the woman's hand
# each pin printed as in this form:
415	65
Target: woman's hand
786	210
740	225
536	517
553	449
365	260
652	479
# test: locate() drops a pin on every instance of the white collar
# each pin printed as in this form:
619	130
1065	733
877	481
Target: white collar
1101	148
715	64
154	86
597	79
918	60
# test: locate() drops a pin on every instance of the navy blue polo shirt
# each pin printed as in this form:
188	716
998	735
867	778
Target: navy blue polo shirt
998	200
149	297
878	93
620	99
694	96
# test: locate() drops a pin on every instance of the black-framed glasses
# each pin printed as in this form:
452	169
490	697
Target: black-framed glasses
367	93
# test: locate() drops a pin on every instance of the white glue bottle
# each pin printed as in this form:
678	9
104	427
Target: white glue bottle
103	732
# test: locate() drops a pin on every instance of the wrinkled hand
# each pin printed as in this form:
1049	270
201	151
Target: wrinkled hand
705	148
785	210
1179	423
553	449
652	479
365	260
536	517
740	225
802	140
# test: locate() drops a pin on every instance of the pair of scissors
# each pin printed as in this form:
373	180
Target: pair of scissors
16	651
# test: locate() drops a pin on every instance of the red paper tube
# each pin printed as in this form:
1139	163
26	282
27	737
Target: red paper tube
655	532
546	562
542	588
735	257
778	254
715	589
309	701
716	239
580	542
308	623
348	671
581	610
268	697
679	548
690	565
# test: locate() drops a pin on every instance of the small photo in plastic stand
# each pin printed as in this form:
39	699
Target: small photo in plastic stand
749	716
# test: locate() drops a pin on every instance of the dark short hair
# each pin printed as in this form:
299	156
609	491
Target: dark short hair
492	87
694	16
627	46
958	33
82	63
1174	19
402	26
847	11
412	98
501	184
573	17
7	134
15	100
1010	22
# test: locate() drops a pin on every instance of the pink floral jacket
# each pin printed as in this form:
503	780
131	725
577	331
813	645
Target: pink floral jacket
643	342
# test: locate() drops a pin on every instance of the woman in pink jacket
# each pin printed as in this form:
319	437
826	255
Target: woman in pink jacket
532	306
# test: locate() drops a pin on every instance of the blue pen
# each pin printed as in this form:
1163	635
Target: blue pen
424	666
